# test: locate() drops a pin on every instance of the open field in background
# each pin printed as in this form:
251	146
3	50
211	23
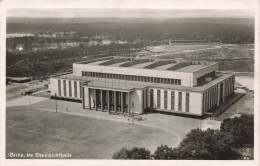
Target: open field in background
83	137
210	51
239	58
236	58
180	48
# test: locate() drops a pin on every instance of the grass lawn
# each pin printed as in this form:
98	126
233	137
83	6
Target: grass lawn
31	131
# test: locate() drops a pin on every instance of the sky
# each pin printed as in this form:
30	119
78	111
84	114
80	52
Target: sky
126	13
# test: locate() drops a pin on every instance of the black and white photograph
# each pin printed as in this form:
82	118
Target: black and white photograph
130	81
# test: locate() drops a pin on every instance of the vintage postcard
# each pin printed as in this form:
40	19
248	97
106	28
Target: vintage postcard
130	82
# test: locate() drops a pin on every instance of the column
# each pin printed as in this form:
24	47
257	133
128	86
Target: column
122	105
108	102
95	99
128	94
89	98
83	98
101	98
115	101
218	94
223	91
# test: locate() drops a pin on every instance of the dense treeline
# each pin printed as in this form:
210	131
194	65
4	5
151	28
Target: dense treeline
210	144
44	63
228	33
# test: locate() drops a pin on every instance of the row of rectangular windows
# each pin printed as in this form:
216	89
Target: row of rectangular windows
132	78
172	100
70	88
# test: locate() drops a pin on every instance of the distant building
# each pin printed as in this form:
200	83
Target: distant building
20	47
201	41
106	42
130	85
92	43
18	79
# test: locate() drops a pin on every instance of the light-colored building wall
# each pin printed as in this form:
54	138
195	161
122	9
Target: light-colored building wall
195	103
148	97
92	97
136	101
186	78
169	100
162	98
155	98
176	100
86	97
54	86
202	72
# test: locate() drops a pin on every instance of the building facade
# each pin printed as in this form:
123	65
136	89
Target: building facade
134	86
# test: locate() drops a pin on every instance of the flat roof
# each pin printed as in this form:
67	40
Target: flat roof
190	68
72	77
164	67
141	65
130	85
117	64
199	88
97	62
18	78
118	84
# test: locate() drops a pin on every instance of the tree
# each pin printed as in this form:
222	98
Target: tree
241	128
164	152
206	145
134	153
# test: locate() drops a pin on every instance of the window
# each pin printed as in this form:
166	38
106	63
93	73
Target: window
158	99
59	87
132	77
75	89
151	98
172	81
80	91
165	99
172	100
180	102
187	102
70	91
64	87
169	81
